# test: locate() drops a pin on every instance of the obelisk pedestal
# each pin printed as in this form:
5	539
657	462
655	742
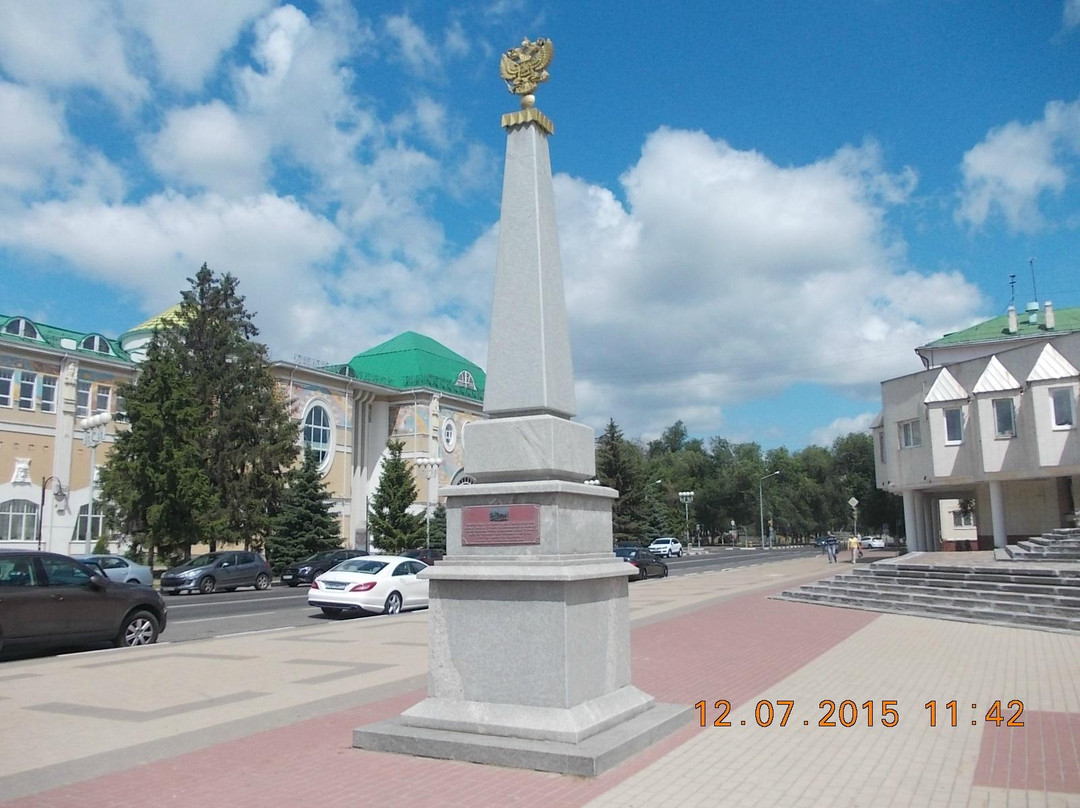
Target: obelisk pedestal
529	628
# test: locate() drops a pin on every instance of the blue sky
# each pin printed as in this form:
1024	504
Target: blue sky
764	207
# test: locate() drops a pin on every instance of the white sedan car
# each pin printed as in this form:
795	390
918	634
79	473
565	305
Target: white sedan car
378	584
666	547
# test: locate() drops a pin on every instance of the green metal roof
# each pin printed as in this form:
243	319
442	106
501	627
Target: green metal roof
411	360
53	337
1065	321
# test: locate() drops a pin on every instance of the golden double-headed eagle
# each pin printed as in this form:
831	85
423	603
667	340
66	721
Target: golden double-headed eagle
523	68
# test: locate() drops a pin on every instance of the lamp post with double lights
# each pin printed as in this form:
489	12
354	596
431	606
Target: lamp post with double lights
93	435
686	497
761	504
428	465
58	493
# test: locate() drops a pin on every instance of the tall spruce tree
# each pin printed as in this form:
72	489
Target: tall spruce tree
155	476
619	466
248	442
393	528
305	524
211	438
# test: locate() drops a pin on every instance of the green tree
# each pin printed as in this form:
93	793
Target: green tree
619	466
393	528
305	523
438	527
249	440
211	438
155	476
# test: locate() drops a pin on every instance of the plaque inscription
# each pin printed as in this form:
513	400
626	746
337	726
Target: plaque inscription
497	525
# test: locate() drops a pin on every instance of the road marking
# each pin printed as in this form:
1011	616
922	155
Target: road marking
228	617
258	631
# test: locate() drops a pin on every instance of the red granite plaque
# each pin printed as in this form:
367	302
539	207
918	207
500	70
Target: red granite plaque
498	525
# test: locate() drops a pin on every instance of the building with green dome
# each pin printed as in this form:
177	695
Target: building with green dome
410	388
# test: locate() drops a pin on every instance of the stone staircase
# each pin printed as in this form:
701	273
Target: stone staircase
1062	544
1029	596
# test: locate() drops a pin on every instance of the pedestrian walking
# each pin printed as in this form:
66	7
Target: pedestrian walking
856	549
830	548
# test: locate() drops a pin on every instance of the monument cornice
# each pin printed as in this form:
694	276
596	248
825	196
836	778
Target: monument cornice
530	115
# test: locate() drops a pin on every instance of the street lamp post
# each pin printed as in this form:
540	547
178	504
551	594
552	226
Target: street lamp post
58	493
686	497
429	465
93	435
761	504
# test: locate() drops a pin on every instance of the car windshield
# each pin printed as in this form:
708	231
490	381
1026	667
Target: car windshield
662	541
368	565
205	560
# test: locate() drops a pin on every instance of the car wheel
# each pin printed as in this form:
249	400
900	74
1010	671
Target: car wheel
679	554
393	604
329	612
262	582
664	574
207	585
140	628
643	573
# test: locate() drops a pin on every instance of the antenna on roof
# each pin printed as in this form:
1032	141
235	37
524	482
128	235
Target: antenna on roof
1012	289
1034	291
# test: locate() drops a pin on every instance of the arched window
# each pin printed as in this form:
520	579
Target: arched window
21	327
97	525
465	379
318	431
97	344
18	520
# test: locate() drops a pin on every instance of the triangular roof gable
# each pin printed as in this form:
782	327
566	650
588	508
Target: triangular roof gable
412	360
995	379
1052	366
945	388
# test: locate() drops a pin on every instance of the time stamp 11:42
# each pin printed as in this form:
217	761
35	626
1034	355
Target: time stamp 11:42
848	713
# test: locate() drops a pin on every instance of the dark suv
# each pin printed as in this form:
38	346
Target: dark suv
224	570
306	571
429	555
48	599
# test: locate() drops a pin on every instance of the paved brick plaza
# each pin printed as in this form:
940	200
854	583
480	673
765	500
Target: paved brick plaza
284	735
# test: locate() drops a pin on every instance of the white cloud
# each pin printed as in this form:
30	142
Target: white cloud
412	43
841	426
1071	14
63	44
1017	164
210	147
190	36
33	140
727	277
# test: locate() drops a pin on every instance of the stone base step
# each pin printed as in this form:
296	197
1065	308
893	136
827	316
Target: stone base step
1019	601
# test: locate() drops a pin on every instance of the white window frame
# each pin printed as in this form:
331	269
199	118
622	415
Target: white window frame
327	449
97	344
949	440
910	434
27	383
961	519
1066	395
48	401
21	327
7	381
24	513
82	398
998	432
99	391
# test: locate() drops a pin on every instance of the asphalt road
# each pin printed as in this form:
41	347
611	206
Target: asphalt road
196	617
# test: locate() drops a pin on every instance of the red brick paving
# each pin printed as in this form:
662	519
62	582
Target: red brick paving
730	650
1042	755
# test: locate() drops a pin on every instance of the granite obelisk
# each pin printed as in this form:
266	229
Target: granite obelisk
529	629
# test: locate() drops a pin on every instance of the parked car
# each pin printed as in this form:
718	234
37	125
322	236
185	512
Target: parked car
373	584
226	570
666	547
872	543
310	568
118	568
429	555
48	599
643	560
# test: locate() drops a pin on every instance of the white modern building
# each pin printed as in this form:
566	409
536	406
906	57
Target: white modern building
992	418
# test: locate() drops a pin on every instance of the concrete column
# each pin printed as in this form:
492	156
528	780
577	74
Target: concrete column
911	524
925	544
1074	487
997	514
